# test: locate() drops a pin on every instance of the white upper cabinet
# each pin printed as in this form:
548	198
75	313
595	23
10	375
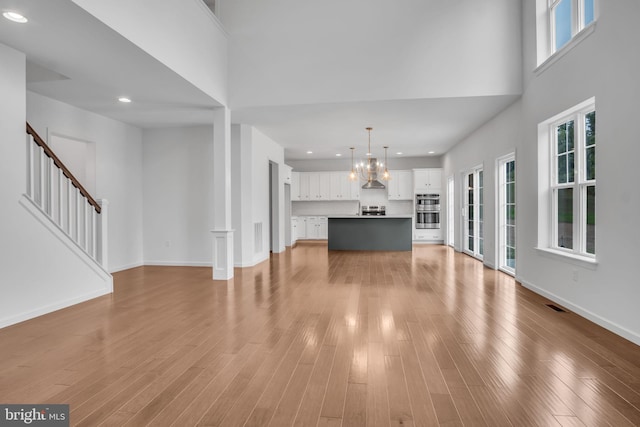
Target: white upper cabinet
400	186
355	189
295	185
427	180
304	187
319	184
342	188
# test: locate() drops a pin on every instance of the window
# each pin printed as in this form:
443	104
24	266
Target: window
507	213
567	18
474	212
573	181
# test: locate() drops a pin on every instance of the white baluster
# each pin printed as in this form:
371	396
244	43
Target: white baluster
43	177
51	188
94	237
31	173
69	207
77	225
60	197
86	215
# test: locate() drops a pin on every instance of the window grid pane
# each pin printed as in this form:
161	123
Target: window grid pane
590	144
564	202
562	22
566	153
589	12
590	220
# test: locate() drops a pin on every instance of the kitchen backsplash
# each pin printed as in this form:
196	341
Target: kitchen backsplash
367	198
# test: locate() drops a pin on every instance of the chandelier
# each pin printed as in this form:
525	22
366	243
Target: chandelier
369	168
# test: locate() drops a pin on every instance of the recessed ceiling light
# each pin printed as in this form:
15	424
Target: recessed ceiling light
309	152
15	17
399	153
338	155
124	99
431	152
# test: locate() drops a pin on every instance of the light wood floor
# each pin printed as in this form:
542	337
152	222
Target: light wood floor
315	338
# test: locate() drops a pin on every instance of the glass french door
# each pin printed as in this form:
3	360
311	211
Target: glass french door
474	212
507	213
450	214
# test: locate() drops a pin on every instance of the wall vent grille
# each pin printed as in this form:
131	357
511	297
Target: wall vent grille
257	237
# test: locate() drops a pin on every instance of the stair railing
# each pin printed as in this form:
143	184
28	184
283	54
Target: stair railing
58	194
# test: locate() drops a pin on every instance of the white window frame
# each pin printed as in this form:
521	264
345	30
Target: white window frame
577	20
450	211
476	220
502	219
579	184
547	53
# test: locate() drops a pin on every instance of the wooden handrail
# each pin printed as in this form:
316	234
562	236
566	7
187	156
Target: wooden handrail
61	165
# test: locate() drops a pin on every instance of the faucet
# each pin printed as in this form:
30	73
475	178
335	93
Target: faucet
359	209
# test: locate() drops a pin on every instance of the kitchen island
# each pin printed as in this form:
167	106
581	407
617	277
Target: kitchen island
370	233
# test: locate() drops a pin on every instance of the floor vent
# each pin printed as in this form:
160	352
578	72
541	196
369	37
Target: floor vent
556	308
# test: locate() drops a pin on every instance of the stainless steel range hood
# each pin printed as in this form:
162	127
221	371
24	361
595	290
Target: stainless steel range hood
373	183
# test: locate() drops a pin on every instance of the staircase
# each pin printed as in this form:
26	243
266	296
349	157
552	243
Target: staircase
53	190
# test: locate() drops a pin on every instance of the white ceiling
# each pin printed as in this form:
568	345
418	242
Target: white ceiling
414	127
422	73
75	58
312	76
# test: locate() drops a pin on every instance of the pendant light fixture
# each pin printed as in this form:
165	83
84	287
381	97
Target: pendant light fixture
369	169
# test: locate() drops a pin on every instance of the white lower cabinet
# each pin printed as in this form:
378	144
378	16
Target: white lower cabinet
294	229
427	235
323	228
316	227
301	228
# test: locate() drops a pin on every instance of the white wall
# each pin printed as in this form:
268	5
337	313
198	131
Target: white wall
177	180
418	49
118	169
242	194
495	139
250	156
264	151
38	272
196	51
603	65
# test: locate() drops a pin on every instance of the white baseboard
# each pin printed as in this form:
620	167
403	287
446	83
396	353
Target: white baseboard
127	267
8	321
489	265
178	263
251	263
632	336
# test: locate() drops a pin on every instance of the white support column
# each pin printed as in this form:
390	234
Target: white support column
222	232
103	236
